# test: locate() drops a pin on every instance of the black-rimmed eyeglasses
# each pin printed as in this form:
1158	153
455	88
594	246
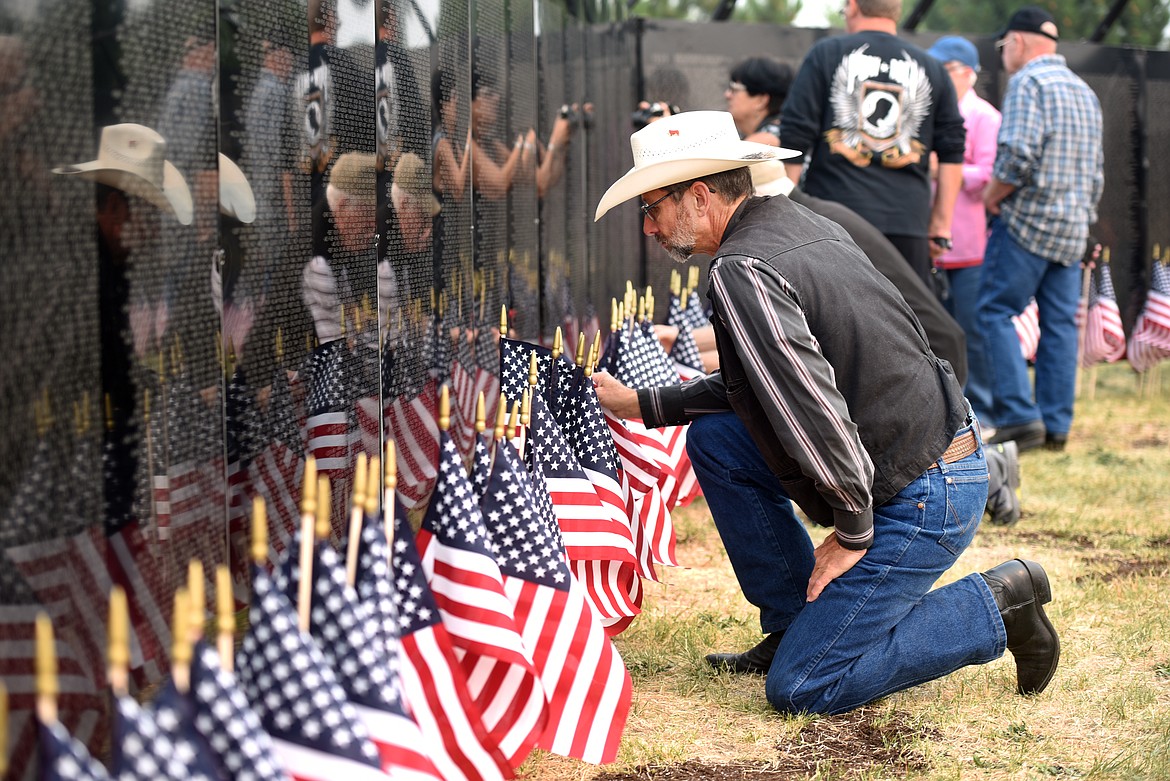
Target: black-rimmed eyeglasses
648	208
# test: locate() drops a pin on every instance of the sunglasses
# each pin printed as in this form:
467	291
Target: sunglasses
736	86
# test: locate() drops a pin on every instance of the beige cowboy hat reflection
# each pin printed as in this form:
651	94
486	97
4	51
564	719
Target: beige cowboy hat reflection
132	158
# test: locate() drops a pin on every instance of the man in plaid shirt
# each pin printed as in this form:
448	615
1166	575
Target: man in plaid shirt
1043	196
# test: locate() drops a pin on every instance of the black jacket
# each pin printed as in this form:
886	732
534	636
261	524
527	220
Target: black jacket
825	364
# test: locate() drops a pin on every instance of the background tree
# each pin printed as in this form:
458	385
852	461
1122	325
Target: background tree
768	11
1142	23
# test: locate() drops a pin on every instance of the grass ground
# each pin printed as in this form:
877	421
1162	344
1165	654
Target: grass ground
1096	515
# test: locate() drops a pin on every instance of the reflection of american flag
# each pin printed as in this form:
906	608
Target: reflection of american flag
317	734
345	633
278	470
1150	340
412	417
80	704
585	681
463	394
487	366
1027	325
433	681
469	590
327	410
413	422
1104	336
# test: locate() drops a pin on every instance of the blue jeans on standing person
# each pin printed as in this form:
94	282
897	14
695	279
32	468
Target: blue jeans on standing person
1012	275
963	306
878	628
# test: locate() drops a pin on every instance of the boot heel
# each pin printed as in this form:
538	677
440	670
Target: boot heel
1039	582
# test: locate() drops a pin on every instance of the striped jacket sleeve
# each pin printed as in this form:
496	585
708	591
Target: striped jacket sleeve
795	386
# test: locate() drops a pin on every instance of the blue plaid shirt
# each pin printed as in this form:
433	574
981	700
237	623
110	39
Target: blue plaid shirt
1049	147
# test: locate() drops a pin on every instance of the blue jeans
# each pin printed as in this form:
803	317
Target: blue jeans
1012	275
877	629
963	306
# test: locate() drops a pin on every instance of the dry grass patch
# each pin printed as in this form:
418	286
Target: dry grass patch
1096	515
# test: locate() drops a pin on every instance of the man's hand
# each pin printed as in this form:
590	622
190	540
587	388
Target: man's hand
831	561
615	397
995	194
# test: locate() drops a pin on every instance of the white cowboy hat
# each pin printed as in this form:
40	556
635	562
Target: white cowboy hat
235	194
132	158
770	178
685	146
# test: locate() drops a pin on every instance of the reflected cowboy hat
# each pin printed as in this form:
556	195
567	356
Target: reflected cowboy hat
132	158
235	194
685	146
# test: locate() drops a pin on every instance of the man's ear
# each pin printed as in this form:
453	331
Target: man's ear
702	196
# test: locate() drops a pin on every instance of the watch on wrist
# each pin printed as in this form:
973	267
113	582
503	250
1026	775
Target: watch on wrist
942	242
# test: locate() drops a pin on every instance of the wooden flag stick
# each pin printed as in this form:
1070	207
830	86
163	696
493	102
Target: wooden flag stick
308	527
501	418
514	424
260	531
197	594
1086	281
373	487
391	485
355	519
444	408
225	618
308	519
46	666
181	641
118	654
525	418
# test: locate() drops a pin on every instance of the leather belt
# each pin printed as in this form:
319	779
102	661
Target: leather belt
961	446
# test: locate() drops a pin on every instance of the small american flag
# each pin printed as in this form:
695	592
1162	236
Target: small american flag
469	590
584	679
150	744
1027	325
240	747
1104	335
1150	340
398	595
65	759
591	530
348	639
317	734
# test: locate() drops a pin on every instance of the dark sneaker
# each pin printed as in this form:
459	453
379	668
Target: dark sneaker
1003	500
1026	435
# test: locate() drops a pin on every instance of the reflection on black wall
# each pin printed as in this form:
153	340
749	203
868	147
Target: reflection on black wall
238	233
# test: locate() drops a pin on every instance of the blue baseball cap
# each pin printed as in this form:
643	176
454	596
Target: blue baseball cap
953	48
